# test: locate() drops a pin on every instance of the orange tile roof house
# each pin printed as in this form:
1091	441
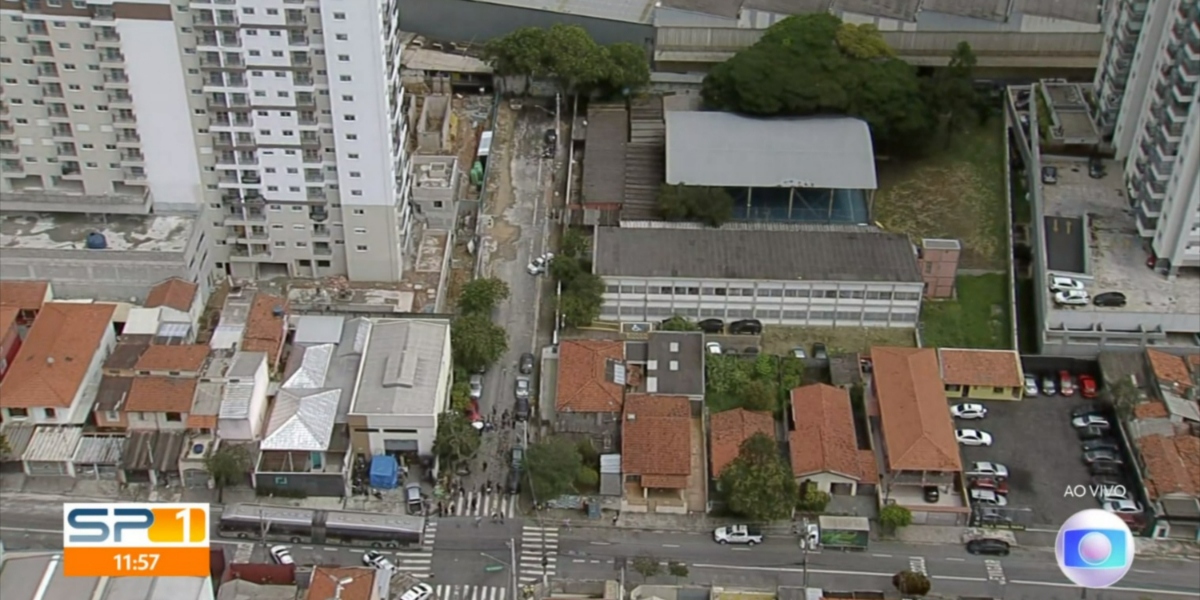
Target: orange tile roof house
1170	469
823	444
656	449
266	327
585	376
186	360
10	337
982	374
26	296
1172	372
727	431
159	402
53	377
173	293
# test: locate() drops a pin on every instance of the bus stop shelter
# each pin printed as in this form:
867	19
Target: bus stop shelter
845	533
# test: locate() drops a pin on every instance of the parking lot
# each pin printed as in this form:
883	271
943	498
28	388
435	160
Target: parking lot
1035	440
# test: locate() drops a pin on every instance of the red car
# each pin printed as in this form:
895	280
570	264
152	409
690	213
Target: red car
1066	385
987	483
1087	386
473	414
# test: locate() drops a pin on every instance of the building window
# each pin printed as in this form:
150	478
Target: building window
18	413
360	230
174	417
112	415
359	211
360	248
49	413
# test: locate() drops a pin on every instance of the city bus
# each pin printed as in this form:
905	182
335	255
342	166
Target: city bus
302	525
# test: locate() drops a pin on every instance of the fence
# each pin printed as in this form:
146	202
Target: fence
480	251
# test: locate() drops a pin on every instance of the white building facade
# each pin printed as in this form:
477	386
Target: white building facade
1147	102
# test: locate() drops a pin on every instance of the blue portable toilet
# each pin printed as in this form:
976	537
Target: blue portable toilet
385	472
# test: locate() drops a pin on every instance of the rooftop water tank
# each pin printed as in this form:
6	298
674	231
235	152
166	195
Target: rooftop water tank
96	241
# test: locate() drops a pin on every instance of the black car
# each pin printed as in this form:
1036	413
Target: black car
1091	433
521	412
1104	468
551	137
1049	175
513	484
988	546
711	325
1102	456
526	365
988	516
1096	168
931	494
1102	444
1107	480
1114	299
746	327
1086	410
820	352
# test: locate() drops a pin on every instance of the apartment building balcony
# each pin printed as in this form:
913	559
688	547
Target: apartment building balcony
61	131
321	231
302	78
239	99
208	39
249	252
294	16
119	98
308	138
320	249
111	57
116	79
318	214
249	233
47	70
128	137
43	49
13	166
1161	169
301	59
235	80
36	28
312	157
230	41
133	175
307	118
250	178
52	90
241	217
203	17
6	128
123	116
298	40
66	149
55	110
210	60
9	147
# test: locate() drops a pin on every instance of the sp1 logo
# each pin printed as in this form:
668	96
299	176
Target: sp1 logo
136	525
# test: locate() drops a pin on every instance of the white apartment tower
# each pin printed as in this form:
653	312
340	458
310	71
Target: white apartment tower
1147	104
280	123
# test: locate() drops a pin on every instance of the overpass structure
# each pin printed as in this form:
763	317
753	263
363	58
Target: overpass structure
695	46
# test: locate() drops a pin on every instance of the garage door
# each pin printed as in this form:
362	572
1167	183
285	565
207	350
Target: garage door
47	468
841	489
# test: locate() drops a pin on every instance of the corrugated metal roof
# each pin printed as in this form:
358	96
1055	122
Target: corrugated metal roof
318	329
52	443
628	11
17	435
138	451
167	448
235	402
302	420
313	368
610	463
245	364
99	450
817	152
604	154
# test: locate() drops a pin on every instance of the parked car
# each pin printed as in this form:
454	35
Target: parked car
372	558
473	414
414	498
421	591
522	409
1065	284
738	534
987	469
1104	468
988	497
931	493
551	137
973	437
1086	410
1066	384
711	325
1109	299
1049	386
713	347
988	546
526	364
1031	386
282	555
518	458
1128	507
812	536
1106	444
1071	298
1087	386
1107	480
1049	175
820	352
968	411
476	384
746	327
1115	493
988	483
1102	456
799	352
1091	433
521	387
540	264
1090	421
990	515
1096	168
512	484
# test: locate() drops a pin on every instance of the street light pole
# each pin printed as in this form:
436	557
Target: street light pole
804	550
512	554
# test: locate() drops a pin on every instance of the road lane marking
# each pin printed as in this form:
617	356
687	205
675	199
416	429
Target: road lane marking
600	543
1147	571
917	565
31	530
670	545
995	571
741	549
882	555
956	559
578	560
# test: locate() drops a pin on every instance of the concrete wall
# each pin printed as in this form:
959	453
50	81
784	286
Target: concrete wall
312	484
477	22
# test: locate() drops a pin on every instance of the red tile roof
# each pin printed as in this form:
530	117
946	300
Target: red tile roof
8	318
583	385
173	293
729	429
160	394
1169	369
323	585
25	295
55	356
264	328
656	440
917	431
987	368
822	438
1151	409
186	358
1172	464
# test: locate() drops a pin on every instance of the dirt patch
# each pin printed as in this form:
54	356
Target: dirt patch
839	340
956	192
500	186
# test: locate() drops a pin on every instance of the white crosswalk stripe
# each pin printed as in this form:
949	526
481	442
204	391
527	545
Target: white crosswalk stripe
479	504
539	553
995	571
917	565
430	535
470	592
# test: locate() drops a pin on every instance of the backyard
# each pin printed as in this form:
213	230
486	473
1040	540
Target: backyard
955	192
839	340
977	318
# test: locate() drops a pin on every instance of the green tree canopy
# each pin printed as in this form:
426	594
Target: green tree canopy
582	290
553	466
951	92
911	583
476	341
677	570
480	296
712	206
647	565
761	383
573	245
813	64
678	323
571	57
759	484
456	440
229	465
894	516
460	396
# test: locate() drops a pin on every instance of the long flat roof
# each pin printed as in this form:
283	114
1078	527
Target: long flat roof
769	255
729	150
401	366
63	231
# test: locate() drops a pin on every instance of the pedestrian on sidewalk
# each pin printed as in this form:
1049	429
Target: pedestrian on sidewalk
485	465
474	503
478	521
615	517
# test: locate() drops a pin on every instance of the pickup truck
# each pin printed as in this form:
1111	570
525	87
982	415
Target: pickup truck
738	534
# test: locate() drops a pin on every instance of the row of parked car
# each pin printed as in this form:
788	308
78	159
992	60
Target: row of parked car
987	483
1072	292
1062	383
1104	456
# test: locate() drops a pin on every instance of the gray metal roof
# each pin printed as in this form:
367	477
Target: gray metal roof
761	255
235	400
401	368
629	11
246	364
318	329
788	7
51	443
721	8
1080	11
99	450
724	149
903	10
990	10
302	420
604	154
677	359
309	366
18	436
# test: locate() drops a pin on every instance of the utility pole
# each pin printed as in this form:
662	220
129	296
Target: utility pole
512	555
804	549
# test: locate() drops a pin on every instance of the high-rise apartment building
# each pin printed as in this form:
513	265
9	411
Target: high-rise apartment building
278	124
1146	90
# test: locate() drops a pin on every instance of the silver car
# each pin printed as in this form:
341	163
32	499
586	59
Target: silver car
476	387
522	387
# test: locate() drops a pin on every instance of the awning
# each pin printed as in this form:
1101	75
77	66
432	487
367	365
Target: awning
167	448
138	451
399	445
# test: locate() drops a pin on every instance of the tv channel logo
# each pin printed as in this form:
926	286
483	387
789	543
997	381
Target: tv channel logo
135	525
1094	548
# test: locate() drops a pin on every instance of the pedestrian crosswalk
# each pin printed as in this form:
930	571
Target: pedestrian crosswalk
470	592
430	535
995	571
539	553
479	504
916	564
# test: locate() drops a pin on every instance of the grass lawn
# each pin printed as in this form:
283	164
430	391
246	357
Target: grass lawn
955	192
978	318
840	340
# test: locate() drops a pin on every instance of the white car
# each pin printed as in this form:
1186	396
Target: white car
1115	493
1072	298
812	536
713	347
421	591
1089	421
1065	284
968	411
1128	507
973	437
988	497
738	534
373	558
541	264
282	555
987	469
1031	385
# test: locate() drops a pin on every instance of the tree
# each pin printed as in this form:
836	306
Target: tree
480	296
712	206
812	500
1124	395
759	484
582	292
588	478
571	57
476	341
760	396
647	565
678	323
5	449
553	466
893	517
573	245
628	68
677	570
456	440
227	466
815	64
911	583
951	93
518	53
460	396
